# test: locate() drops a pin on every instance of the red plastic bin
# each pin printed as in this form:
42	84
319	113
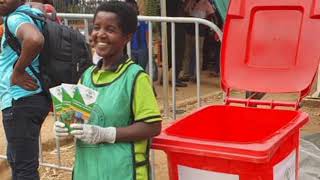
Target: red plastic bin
268	46
231	143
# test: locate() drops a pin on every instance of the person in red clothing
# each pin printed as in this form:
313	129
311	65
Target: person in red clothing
1	27
47	7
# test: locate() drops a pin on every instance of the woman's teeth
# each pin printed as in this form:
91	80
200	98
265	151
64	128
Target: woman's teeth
102	44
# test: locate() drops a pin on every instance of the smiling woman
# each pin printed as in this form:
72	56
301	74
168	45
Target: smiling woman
112	30
108	38
115	143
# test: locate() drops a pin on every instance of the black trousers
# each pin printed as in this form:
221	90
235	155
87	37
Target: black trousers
254	95
179	46
22	123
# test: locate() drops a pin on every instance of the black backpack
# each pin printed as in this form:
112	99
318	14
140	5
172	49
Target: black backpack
64	57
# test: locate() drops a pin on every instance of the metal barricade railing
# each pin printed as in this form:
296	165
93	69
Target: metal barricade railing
41	159
149	20
317	93
172	20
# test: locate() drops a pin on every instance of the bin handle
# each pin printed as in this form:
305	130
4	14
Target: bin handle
255	102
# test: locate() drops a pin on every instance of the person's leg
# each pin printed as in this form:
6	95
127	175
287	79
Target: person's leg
9	127
192	65
201	42
194	75
206	50
180	48
22	124
187	56
216	66
254	95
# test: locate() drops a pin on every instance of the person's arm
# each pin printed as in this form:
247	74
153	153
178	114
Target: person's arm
210	12
211	16
187	7
138	131
93	134
31	45
147	117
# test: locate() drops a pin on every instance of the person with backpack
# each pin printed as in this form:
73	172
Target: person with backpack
115	143
23	102
65	54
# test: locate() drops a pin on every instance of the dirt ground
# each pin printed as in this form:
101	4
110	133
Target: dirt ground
186	101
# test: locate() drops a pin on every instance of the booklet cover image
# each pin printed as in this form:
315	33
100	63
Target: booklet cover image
56	96
67	115
83	102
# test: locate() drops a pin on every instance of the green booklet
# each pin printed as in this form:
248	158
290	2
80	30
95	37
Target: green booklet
67	115
83	102
56	96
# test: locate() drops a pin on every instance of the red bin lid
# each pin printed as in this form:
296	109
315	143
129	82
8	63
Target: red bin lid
271	46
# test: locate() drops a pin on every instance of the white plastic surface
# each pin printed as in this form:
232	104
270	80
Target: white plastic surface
188	173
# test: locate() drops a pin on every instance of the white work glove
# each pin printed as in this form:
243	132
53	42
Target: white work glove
92	134
60	129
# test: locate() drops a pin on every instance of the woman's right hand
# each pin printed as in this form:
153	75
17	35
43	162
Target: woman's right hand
60	129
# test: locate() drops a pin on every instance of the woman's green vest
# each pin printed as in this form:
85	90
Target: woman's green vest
119	161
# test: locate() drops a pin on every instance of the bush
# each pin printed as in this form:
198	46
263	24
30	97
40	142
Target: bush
76	6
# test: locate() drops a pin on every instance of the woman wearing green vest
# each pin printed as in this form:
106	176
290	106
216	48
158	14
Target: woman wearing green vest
114	145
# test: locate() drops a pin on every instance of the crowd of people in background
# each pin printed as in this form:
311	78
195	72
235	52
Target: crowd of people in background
185	61
209	44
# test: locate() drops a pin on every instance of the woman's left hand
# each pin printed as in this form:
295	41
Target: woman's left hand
92	134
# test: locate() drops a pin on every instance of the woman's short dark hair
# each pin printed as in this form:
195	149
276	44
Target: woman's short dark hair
127	16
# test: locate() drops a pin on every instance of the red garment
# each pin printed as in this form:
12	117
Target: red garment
1	30
48	8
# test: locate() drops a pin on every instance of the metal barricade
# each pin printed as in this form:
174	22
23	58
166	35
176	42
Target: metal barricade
173	21
317	93
150	20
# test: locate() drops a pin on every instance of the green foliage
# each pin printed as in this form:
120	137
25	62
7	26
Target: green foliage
76	6
152	7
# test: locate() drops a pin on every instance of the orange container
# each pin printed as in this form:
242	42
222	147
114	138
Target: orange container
268	46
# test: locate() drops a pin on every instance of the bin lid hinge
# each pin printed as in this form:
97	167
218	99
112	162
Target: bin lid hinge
255	102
